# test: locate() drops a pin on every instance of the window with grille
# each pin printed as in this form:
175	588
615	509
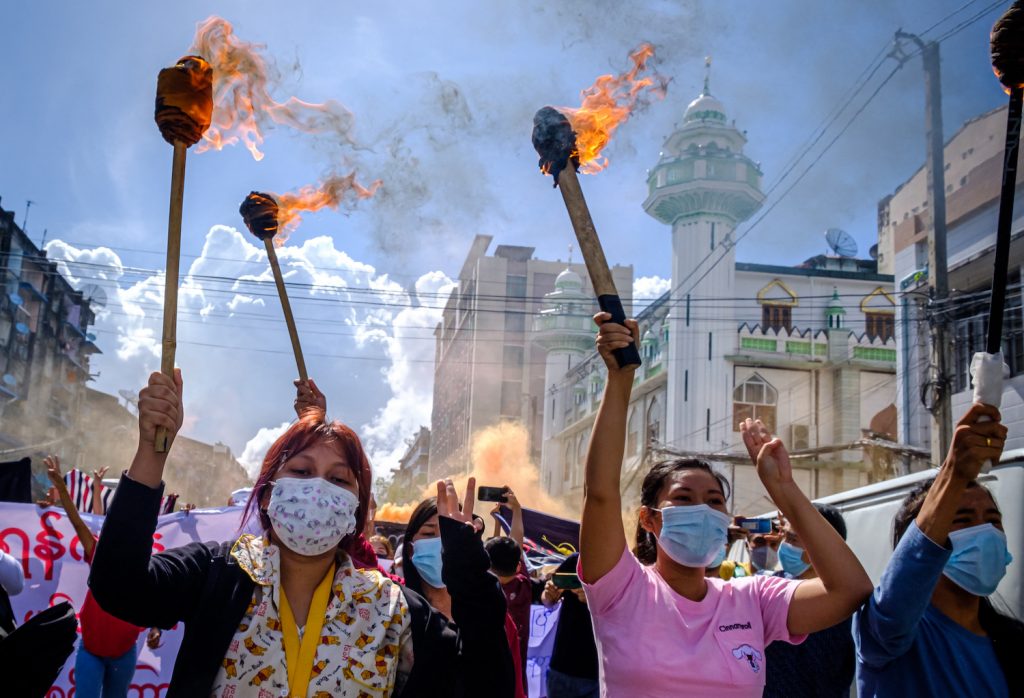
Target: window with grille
755	398
970	330
880	326
776	317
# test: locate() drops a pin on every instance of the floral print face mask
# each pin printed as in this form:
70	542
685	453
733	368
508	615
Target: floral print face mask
310	515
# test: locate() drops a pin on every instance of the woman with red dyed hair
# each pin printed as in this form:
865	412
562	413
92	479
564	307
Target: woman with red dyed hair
287	613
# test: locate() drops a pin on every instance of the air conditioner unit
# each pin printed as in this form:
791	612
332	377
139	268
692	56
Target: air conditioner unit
799	437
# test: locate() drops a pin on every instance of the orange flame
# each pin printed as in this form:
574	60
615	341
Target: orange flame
609	102
330	193
242	105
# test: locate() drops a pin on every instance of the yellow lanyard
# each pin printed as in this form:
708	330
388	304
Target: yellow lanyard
299	659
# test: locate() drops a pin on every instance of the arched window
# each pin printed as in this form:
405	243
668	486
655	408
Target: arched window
754	398
654	421
633	432
568	462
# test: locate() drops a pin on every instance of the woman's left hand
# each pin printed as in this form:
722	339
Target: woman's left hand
769	454
448	501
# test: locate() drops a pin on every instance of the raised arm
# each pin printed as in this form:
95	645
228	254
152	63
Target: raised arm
979	436
308	397
842	584
126	578
516	530
602	538
97	489
81	530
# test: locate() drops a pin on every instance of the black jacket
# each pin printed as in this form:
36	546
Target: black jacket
201	585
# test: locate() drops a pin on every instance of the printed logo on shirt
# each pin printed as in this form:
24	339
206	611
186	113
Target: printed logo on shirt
734	626
750	655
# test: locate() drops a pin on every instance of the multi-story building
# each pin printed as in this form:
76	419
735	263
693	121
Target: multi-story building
486	367
809	348
973	176
45	347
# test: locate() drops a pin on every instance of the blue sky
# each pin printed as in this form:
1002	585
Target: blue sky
443	93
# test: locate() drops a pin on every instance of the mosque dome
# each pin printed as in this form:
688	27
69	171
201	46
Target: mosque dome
705	108
568	280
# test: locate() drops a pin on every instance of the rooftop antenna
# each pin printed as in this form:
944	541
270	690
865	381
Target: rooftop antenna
24	221
43	243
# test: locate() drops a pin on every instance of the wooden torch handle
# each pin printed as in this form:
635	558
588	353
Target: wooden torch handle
293	333
169	341
593	256
997	300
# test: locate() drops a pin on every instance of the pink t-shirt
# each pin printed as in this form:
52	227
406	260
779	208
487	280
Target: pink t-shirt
655	643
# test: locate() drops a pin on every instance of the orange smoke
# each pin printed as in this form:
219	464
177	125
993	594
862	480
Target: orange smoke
394	513
501	456
329	193
608	103
242	105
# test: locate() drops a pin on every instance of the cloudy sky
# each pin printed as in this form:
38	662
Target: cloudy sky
443	93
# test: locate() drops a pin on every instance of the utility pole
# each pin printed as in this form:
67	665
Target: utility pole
939	384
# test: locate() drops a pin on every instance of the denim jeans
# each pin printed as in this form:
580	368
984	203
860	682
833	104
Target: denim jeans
564	686
103	677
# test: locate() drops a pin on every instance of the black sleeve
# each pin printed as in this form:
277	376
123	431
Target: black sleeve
478	609
131	583
436	651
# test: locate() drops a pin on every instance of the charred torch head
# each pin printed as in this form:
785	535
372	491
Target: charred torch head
259	211
555	141
184	100
1007	46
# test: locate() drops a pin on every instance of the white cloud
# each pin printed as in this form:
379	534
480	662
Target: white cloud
646	288
366	340
256	448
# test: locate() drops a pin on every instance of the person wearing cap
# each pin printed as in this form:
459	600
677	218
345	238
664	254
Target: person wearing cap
573	671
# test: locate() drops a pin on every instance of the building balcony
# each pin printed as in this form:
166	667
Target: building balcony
812	346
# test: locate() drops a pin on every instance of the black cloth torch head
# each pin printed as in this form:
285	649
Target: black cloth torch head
259	211
555	142
1007	46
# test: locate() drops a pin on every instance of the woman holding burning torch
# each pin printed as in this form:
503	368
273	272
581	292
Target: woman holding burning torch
702	636
285	613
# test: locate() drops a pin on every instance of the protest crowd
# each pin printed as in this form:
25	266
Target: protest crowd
310	599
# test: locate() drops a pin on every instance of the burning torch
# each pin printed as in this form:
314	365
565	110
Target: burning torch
260	213
555	142
1007	48
184	106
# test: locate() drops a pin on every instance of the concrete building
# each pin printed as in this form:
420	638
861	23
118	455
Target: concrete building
45	347
809	349
973	175
486	367
200	473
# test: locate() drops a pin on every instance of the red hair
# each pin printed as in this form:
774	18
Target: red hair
310	429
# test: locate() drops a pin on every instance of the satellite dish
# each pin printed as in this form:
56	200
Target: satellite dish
841	242
10	380
96	296
21	328
15	299
873	252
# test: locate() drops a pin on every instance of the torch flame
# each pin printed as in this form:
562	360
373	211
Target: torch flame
609	102
331	192
242	102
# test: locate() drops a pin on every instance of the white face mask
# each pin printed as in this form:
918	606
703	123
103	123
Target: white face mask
310	515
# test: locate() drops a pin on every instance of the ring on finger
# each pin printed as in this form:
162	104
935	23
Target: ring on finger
988	441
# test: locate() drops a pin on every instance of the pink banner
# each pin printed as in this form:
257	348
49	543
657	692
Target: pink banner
45	543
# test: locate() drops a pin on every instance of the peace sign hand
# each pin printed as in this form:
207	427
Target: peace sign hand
448	501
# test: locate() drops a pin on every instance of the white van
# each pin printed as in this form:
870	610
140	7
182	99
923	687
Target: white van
869	513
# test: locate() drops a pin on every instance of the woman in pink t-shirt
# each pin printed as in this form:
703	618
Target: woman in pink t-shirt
665	629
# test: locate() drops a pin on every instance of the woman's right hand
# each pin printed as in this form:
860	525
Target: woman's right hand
308	397
612	336
160	406
979	437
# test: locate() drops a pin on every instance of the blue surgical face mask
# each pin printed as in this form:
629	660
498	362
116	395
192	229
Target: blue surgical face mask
792	559
426	557
719	558
764	557
693	535
979	559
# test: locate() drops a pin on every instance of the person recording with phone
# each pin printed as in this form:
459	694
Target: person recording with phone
573	671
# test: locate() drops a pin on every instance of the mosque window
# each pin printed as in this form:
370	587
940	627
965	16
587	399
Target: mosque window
776	317
880	326
755	398
654	421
